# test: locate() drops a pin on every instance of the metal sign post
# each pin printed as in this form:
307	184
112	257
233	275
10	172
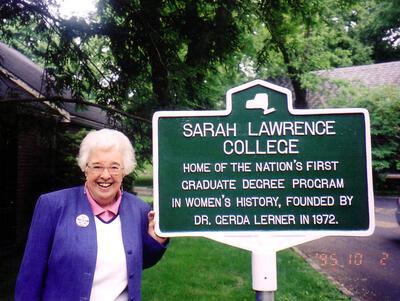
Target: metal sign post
263	247
264	276
261	175
265	296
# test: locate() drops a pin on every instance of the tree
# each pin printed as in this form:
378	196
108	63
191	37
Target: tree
136	56
378	26
306	36
145	55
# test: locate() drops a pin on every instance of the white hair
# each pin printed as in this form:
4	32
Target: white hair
107	139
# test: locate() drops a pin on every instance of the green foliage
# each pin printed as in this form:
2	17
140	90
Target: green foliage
305	36
136	56
67	172
144	176
383	105
378	23
143	56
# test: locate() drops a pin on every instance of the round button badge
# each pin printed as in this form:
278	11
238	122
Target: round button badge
82	220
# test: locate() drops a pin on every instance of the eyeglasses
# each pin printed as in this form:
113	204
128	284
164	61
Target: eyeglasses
99	169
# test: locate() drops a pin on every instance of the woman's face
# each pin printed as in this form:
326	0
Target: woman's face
104	174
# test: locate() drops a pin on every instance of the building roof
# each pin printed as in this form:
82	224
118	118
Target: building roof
370	75
22	78
365	76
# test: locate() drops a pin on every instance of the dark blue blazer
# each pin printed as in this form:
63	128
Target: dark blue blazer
60	256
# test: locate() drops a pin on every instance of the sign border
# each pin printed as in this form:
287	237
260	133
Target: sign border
301	235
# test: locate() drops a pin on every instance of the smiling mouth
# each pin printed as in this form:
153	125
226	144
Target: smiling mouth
104	185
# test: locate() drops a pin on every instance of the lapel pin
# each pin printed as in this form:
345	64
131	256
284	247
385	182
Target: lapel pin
82	220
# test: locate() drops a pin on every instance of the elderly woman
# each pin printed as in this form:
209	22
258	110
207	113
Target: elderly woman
91	242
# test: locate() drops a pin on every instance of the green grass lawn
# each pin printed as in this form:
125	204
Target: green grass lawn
199	269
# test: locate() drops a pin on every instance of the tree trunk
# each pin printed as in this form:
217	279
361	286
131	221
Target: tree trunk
300	95
156	49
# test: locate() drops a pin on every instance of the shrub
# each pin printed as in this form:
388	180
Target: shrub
383	104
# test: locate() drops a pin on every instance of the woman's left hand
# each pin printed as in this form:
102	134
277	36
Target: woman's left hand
151	230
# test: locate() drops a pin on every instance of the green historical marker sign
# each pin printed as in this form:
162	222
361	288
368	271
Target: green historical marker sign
260	165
